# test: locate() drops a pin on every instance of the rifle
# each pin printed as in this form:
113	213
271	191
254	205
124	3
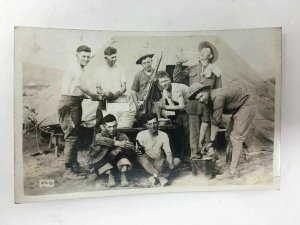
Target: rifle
148	100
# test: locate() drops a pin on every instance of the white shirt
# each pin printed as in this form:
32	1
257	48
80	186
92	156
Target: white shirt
110	78
154	144
72	79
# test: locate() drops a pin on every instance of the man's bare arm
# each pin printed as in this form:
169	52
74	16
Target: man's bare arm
135	98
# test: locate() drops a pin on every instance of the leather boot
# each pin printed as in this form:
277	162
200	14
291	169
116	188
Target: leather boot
69	174
163	181
226	175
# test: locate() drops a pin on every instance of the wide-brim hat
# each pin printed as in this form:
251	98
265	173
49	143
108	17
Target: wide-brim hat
204	44
144	56
195	88
97	152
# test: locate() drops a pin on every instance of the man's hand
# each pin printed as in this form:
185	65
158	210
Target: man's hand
181	58
162	106
171	166
108	95
124	144
139	106
170	161
166	94
139	152
200	147
116	95
96	97
115	152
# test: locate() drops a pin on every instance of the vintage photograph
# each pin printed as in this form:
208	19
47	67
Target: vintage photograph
104	113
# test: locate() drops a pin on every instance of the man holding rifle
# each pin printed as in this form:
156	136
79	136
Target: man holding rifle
141	85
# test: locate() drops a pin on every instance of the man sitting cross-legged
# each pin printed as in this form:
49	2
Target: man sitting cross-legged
155	143
111	149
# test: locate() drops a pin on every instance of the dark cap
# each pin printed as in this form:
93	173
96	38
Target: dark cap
83	48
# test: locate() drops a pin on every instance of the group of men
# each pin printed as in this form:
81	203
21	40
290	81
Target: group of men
195	100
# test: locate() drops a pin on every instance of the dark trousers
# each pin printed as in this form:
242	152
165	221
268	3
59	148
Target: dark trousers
99	118
70	112
182	134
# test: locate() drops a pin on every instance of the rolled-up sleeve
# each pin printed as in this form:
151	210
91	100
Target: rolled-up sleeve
218	105
102	140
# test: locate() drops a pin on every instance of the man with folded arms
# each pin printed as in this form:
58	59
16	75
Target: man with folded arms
111	149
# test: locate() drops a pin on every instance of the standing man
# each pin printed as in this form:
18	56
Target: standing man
155	144
226	101
205	72
141	83
174	99
111	149
73	90
110	83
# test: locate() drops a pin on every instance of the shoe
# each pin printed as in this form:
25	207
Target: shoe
124	181
163	181
111	181
80	170
152	180
225	175
69	174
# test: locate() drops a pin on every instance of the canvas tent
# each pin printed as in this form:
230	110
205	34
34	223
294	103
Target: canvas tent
236	73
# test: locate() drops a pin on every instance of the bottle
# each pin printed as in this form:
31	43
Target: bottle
140	147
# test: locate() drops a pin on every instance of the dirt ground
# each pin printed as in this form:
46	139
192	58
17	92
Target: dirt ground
256	170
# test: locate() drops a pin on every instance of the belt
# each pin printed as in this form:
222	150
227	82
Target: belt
181	112
71	97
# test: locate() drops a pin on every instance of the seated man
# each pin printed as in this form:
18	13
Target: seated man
155	142
174	100
111	149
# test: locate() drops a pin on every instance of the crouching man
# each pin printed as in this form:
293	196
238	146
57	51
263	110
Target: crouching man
151	146
110	150
220	101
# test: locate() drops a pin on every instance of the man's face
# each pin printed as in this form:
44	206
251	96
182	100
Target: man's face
83	58
147	64
111	59
203	97
152	125
205	54
164	82
111	128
